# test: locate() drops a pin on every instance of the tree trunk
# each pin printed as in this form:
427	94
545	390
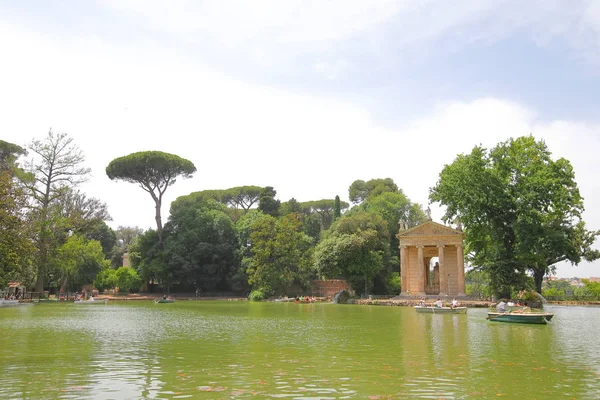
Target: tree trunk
42	263
158	220
538	278
39	282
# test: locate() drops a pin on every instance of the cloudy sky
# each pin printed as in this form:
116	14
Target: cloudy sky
305	96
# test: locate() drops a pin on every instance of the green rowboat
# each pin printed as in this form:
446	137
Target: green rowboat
520	318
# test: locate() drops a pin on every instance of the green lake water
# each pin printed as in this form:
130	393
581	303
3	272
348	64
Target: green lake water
238	350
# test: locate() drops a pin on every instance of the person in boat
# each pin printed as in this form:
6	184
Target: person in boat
455	303
422	302
91	298
438	303
501	306
164	297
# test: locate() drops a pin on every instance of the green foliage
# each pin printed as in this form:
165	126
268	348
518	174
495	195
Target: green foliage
528	295
323	208
360	190
553	293
393	207
16	248
243	197
521	211
127	279
279	255
267	202
147	258
78	261
289	207
106	279
257	295
57	169
478	284
200	246
592	287
393	282
337	208
583	293
9	154
355	248
125	236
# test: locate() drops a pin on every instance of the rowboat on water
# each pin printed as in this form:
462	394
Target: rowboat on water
165	301
520	318
91	302
4	302
441	310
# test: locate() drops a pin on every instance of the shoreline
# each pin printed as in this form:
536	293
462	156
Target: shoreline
394	301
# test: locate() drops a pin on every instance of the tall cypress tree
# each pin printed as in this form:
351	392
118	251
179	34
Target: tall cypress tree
337	211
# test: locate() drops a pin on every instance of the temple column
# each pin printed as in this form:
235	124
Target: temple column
404	272
460	263
420	290
443	273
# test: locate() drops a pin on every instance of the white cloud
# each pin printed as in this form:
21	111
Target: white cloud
271	31
114	100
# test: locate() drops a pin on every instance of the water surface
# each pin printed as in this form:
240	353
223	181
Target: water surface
225	350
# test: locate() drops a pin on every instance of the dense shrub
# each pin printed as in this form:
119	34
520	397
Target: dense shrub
257	295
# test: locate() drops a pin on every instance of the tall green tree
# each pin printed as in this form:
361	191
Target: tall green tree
77	262
147	257
16	248
267	202
57	168
355	248
281	254
337	208
154	171
200	246
521	211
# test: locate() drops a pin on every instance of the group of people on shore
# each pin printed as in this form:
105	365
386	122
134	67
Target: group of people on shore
305	299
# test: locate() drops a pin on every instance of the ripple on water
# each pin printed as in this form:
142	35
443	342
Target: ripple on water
220	350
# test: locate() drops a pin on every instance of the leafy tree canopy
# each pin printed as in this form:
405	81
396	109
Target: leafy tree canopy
324	208
239	197
355	247
280	254
57	168
154	171
521	210
360	190
200	246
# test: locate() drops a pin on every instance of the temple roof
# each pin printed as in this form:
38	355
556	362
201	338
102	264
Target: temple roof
430	228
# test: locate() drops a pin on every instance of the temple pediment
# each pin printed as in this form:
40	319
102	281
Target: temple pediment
430	228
